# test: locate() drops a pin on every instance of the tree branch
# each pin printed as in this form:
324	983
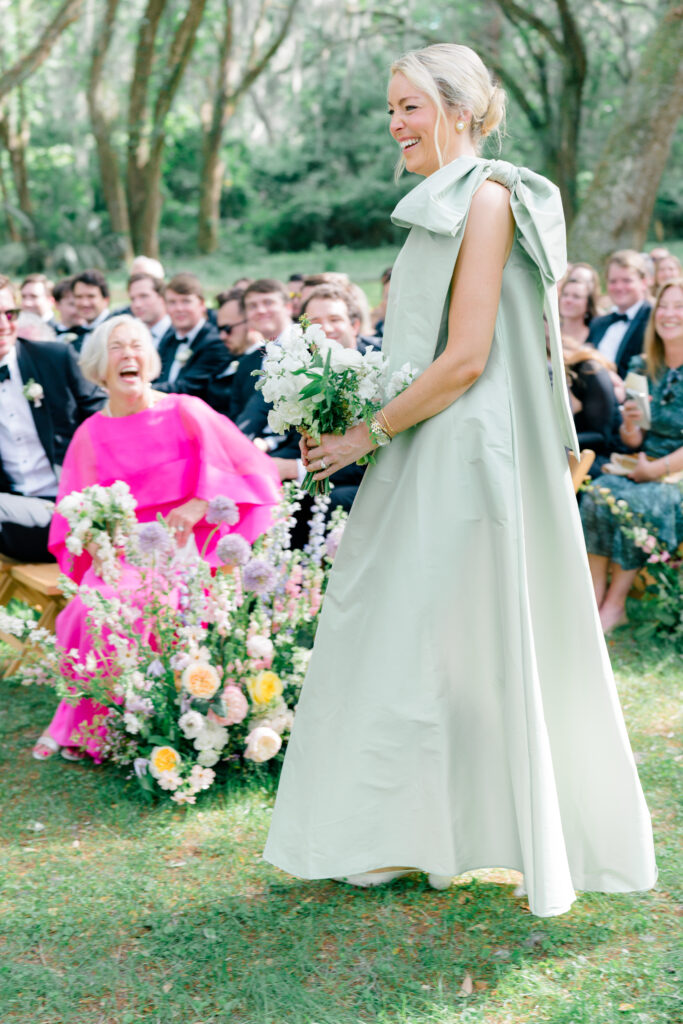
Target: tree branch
516	14
26	65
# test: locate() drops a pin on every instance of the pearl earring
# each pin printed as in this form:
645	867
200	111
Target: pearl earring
460	126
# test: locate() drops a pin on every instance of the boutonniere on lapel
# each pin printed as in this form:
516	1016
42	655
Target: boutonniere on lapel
233	367
183	353
33	392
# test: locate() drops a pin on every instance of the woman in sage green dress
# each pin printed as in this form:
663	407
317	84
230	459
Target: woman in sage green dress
460	711
653	490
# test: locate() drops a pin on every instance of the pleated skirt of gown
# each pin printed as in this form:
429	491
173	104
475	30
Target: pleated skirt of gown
460	710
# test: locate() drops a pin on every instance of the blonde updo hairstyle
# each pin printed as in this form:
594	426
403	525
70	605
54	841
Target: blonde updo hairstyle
457	81
94	355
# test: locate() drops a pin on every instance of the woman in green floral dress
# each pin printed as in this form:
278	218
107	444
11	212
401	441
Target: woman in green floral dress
653	491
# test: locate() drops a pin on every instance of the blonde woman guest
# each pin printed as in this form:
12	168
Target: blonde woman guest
613	557
449	719
175	453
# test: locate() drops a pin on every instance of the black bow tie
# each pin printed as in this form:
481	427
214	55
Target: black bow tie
4	373
614	318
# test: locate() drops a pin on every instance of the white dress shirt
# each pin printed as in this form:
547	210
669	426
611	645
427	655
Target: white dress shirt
614	335
158	330
23	457
177	364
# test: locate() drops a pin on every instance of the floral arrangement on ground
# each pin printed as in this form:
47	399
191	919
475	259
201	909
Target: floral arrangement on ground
658	610
197	672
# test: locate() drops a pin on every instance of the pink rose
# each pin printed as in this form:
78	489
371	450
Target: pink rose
235	704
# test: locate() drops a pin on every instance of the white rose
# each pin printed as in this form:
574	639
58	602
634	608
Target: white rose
262	744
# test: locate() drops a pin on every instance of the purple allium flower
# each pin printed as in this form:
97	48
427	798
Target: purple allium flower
140	766
155	668
259	576
233	550
152	537
222	510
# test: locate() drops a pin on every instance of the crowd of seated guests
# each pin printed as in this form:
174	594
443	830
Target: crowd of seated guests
211	354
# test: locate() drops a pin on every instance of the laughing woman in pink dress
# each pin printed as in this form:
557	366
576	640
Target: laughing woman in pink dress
175	454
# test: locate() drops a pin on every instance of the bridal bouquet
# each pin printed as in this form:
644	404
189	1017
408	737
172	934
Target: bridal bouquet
320	387
100	516
198	672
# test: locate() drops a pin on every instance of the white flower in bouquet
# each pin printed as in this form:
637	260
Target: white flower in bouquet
319	385
262	744
192	724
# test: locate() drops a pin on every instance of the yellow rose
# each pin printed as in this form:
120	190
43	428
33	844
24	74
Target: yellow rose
163	760
264	687
201	680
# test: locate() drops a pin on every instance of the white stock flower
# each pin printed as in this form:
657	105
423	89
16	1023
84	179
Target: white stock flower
204	740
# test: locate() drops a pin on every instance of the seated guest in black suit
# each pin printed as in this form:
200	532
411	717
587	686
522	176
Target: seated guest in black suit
191	351
231	321
267	310
335	309
620	334
43	398
67	310
91	294
146	294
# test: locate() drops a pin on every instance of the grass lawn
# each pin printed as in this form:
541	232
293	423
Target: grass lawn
113	912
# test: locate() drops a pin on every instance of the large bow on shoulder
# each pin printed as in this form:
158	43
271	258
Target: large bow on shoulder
442	201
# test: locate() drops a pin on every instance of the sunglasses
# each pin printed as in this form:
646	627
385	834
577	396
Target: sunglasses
11	314
229	328
669	389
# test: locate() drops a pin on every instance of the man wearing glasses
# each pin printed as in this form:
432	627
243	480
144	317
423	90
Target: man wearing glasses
43	398
239	340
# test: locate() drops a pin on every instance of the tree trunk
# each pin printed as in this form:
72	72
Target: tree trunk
138	110
107	157
145	152
15	142
223	106
26	65
617	210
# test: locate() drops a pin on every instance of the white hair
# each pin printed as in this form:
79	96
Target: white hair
456	80
147	265
95	354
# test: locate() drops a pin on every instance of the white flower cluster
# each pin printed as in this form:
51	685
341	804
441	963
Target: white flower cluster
209	738
103	517
299	358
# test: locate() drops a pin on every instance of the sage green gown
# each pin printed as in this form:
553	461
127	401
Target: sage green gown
460	710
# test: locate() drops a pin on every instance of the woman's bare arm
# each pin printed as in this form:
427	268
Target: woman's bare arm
475	294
